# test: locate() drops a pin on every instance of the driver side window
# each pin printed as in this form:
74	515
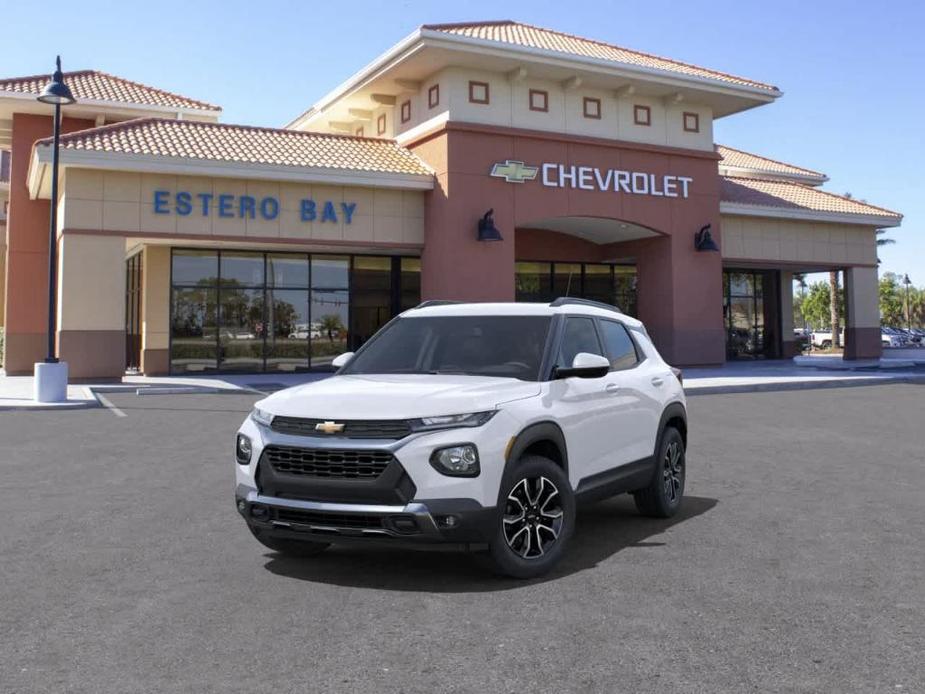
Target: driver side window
579	336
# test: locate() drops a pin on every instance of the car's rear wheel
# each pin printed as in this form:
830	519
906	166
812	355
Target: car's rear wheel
290	548
536	516
662	498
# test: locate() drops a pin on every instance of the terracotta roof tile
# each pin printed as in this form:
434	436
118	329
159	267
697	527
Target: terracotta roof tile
794	196
245	144
515	33
736	158
93	85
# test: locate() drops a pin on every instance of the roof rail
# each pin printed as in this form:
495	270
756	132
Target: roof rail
566	300
436	302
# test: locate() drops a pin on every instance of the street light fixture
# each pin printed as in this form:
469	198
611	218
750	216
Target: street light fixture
51	375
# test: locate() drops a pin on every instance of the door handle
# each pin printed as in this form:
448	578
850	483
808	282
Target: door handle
657	381
611	388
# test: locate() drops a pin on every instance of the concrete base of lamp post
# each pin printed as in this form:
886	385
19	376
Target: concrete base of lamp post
50	382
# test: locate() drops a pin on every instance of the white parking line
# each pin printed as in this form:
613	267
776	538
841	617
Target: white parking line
105	402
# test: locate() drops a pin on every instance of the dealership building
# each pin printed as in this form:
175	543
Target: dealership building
489	161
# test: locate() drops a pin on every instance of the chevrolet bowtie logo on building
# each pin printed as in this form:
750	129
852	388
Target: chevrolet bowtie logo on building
514	171
329	427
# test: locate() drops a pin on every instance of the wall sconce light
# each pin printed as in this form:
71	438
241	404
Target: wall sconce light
487	229
703	240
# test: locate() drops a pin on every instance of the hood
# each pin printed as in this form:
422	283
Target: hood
401	396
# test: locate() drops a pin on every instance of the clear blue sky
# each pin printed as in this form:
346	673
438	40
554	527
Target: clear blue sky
851	72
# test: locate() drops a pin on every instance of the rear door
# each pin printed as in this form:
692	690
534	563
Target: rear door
634	384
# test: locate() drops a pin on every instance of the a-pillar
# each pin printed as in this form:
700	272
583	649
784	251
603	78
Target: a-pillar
91	305
155	310
862	299
789	345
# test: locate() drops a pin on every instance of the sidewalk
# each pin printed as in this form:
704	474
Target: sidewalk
733	377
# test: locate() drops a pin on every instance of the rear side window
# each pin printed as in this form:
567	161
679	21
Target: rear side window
621	351
579	336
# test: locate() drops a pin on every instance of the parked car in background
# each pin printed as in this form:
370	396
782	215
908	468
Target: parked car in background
804	337
822	339
890	339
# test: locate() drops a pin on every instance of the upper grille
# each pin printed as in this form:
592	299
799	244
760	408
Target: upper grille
328	463
353	429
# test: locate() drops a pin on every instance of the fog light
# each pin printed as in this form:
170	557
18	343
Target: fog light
456	461
242	506
447	521
243	449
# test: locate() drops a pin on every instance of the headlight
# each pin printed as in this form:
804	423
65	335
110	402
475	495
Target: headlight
262	417
452	421
243	449
456	461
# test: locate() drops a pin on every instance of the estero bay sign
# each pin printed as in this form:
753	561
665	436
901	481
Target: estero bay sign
185	203
594	178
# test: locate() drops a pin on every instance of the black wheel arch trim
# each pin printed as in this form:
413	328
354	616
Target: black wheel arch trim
674	410
535	433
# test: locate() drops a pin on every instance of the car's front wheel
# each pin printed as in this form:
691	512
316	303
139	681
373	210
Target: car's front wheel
662	498
536	516
289	548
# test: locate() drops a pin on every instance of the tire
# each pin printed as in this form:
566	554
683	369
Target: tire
826	344
290	548
532	544
662	498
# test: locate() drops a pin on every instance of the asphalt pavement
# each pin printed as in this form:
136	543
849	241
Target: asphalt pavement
796	565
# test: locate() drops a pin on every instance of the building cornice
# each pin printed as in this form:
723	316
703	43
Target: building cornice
868	220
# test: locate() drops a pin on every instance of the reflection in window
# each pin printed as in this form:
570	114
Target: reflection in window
248	311
533	282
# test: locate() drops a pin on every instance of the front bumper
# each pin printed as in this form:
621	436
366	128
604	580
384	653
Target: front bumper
437	521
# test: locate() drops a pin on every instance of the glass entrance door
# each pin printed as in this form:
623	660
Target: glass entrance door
751	314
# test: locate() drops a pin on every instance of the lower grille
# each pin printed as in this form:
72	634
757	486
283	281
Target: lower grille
361	521
328	463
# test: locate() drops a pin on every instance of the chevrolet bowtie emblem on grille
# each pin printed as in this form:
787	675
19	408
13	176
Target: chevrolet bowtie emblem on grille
329	427
514	171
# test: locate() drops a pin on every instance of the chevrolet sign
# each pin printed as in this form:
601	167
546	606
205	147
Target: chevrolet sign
514	171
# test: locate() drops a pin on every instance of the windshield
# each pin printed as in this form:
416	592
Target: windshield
504	346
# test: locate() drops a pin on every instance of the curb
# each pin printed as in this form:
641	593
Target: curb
801	385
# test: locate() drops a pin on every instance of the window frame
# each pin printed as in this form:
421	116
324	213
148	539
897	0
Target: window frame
639	109
433	96
586	101
473	85
560	337
405	111
690	114
380	124
538	92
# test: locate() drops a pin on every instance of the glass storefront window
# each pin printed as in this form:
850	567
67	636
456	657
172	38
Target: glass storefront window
566	279
289	329
611	284
197	268
329	314
330	272
241	329
287	270
250	311
410	283
533	282
193	329
242	269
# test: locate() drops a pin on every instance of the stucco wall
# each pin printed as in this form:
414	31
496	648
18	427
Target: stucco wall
782	240
509	106
113	201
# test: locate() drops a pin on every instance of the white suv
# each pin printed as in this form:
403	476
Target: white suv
480	425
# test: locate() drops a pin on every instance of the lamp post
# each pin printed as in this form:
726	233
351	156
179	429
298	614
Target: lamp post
51	375
907	282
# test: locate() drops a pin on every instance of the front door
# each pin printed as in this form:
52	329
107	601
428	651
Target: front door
751	313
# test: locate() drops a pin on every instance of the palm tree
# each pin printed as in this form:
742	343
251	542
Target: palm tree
883	242
833	308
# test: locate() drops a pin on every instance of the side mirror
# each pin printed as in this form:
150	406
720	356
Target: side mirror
586	365
342	359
